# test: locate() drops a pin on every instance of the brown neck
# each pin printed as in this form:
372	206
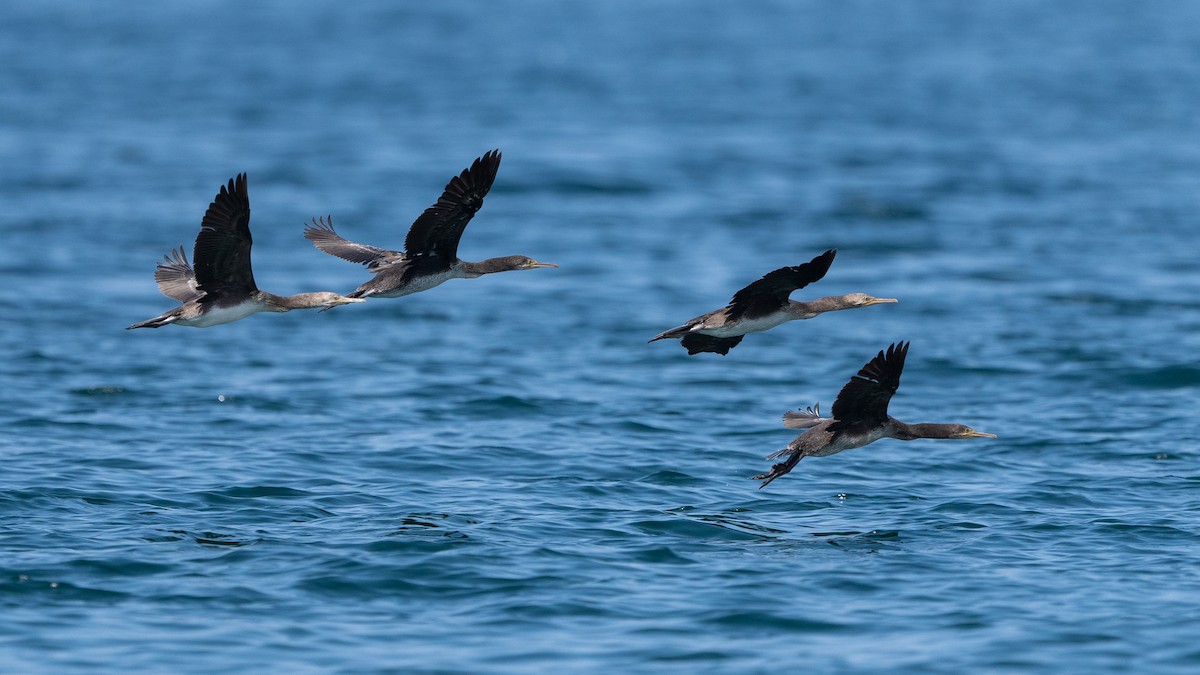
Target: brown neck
830	303
286	303
909	432
491	265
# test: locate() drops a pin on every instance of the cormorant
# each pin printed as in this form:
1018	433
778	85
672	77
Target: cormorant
860	417
430	254
221	288
762	305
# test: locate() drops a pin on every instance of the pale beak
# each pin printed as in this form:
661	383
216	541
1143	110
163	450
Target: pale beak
341	300
978	434
535	264
879	301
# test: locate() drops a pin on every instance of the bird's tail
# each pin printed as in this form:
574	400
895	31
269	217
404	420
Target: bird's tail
156	322
676	332
803	419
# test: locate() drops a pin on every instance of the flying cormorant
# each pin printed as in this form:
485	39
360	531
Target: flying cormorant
221	288
762	305
430	254
860	417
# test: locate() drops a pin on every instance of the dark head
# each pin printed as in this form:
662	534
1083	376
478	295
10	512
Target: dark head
506	264
944	431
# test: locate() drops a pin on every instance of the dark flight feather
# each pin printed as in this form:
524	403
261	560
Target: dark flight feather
863	401
221	257
699	342
770	293
437	231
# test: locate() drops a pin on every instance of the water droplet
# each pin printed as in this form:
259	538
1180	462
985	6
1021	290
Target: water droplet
221	398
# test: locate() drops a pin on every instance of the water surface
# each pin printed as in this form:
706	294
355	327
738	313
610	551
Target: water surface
500	475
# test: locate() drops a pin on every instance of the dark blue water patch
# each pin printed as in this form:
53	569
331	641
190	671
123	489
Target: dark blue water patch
660	555
693	656
1120	306
47	498
236	495
671	478
691	529
411	542
345	585
99	391
1185	658
116	567
24	587
637	428
502	407
84	428
753	621
580	185
1181	376
862	206
978	510
859	541
744	524
1143	532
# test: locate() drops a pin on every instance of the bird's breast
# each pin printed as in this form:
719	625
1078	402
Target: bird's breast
214	315
416	284
742	326
847	441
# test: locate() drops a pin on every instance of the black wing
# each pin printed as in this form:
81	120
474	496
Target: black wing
863	401
176	278
436	232
771	292
222	253
321	234
699	342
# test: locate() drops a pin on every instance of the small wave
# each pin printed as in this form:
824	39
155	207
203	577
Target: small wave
502	406
758	620
60	590
693	529
1163	377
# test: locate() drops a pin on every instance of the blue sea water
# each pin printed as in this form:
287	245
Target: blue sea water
500	475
